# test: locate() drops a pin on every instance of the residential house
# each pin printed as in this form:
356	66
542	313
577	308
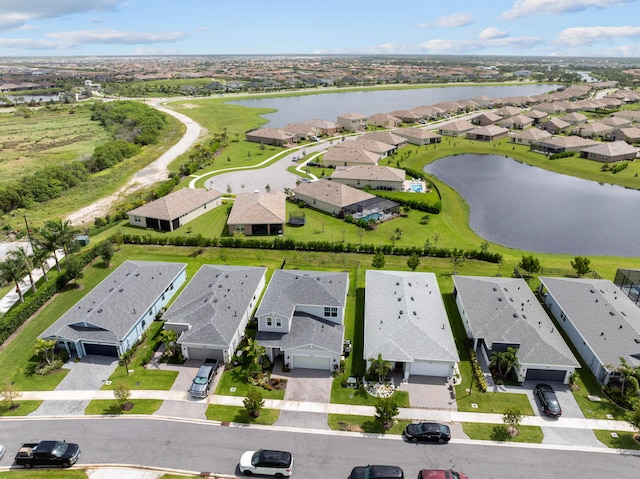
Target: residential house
528	136
419	136
374	177
610	152
324	127
456	128
575	119
498	313
507	111
631	134
553	108
301	318
211	313
387	137
561	144
487	133
349	154
516	122
384	120
175	209
537	115
554	125
617	122
353	122
633	115
110	318
406	116
303	131
601	322
486	118
258	214
405	321
272	136
380	148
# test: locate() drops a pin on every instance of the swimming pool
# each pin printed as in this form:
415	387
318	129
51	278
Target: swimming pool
416	188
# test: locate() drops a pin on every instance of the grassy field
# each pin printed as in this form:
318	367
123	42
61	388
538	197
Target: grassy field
624	440
368	424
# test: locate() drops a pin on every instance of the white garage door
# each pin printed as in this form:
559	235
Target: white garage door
312	362
430	368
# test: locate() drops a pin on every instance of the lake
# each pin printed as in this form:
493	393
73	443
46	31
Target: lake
328	106
524	207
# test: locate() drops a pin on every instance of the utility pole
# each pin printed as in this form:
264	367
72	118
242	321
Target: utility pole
29	234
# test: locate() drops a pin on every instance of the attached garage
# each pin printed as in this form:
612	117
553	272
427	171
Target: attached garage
203	353
312	362
430	368
101	349
550	375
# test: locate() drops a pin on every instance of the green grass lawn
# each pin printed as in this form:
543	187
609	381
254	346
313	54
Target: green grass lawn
360	397
588	386
24	408
496	403
44	474
106	407
624	440
498	432
239	414
234	378
348	422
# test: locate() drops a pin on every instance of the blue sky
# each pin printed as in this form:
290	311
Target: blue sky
599	28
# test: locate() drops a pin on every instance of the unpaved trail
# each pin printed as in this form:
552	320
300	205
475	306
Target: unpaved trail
155	172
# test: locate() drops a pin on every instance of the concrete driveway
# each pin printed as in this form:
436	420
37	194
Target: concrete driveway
88	374
191	407
428	392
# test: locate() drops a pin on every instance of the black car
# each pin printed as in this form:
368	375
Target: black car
376	472
548	400
427	431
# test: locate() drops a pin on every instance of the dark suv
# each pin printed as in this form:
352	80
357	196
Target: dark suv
202	382
376	472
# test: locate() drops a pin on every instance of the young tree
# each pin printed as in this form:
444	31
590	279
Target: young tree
457	259
386	412
512	418
45	350
73	268
634	418
106	252
253	402
530	264
122	393
253	352
378	260
10	393
582	265
484	246
169	338
413	261
380	367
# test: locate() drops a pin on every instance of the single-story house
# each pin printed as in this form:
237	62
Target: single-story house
486	118
175	209
426	112
554	125
349	154
258	214
610	152
456	128
384	120
325	127
406	322
301	318
304	131
616	122
507	111
112	316
575	119
483	101
375	177
594	129
499	312
526	137
380	148
272	136
211	313
406	116
537	115
560	144
630	134
387	137
553	108
487	133
418	136
633	115
601	322
516	122
338	199
352	122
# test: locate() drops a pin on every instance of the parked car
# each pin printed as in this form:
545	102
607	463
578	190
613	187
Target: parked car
441	474
427	431
202	382
48	453
548	400
2	451
376	472
266	462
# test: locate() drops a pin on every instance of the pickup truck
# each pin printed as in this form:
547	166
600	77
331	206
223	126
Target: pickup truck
48	453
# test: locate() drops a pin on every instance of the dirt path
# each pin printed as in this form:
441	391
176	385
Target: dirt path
155	172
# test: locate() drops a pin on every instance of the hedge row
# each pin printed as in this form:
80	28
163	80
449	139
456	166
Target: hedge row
477	372
278	243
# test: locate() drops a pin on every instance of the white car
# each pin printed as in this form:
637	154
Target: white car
266	462
2	450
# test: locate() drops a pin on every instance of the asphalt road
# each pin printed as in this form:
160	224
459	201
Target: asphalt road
208	447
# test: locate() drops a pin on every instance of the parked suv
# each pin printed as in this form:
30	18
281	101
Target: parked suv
441	474
376	472
202	382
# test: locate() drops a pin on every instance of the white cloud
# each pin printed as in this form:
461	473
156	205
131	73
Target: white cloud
522	8
584	35
114	37
28	44
16	13
451	21
492	32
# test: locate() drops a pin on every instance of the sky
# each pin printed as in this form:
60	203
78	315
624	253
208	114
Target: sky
595	28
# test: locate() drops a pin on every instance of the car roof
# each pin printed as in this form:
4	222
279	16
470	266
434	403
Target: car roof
270	455
204	370
385	471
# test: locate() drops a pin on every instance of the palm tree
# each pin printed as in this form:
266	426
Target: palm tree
23	258
380	367
40	257
45	240
64	234
13	270
505	361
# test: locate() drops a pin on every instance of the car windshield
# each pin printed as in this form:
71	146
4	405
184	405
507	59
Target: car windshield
200	380
60	449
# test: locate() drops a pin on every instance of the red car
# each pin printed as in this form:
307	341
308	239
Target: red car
441	474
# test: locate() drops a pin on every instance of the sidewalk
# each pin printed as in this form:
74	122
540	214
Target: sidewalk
414	414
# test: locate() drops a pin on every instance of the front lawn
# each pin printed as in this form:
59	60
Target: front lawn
496	403
240	415
24	408
624	440
498	432
44	474
360	397
107	407
368	424
233	383
588	386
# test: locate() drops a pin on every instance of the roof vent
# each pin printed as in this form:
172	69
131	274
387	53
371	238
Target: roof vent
415	314
120	290
515	315
499	299
592	290
399	298
401	311
637	340
495	289
611	313
409	284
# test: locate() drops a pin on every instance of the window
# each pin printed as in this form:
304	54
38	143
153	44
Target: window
269	322
239	227
330	312
278	322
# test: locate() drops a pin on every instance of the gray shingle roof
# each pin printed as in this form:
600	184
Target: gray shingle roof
607	320
213	303
117	303
306	331
504	310
405	319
